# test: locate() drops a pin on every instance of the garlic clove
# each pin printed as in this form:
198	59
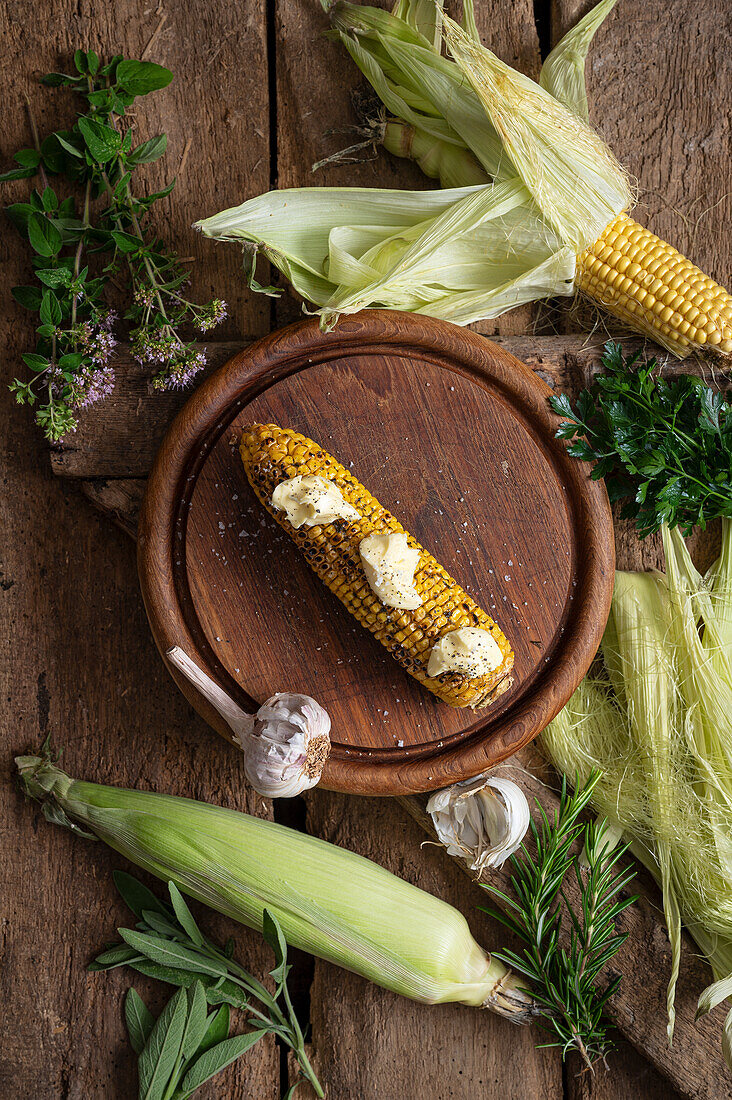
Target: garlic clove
482	820
285	744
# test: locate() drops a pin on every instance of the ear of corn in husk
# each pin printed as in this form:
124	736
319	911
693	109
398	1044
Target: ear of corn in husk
656	720
460	255
467	120
328	901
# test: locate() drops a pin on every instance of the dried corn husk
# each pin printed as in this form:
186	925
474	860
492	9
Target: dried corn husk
462	254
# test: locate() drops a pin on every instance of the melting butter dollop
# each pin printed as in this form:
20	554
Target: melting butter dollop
310	500
390	564
469	650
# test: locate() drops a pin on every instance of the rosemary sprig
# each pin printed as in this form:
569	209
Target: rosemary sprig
564	971
167	944
70	366
663	447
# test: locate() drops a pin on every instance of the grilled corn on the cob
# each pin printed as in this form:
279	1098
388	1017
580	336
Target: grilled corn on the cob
272	455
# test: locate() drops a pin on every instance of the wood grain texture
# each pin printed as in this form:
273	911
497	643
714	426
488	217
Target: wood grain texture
120	437
77	655
443	1051
694	1063
454	433
76	660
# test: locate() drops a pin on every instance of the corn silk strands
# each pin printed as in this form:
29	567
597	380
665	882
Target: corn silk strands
535	185
656	720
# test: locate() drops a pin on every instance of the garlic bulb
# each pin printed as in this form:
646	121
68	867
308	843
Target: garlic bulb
285	744
480	820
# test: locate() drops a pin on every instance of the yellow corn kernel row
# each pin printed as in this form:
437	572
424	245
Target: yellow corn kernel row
653	288
271	455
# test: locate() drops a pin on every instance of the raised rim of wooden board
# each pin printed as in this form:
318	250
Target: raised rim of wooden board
247	375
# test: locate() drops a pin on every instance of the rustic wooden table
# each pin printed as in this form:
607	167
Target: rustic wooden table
256	87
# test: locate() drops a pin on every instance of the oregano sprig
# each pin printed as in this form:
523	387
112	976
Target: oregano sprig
563	971
664	447
186	1046
70	367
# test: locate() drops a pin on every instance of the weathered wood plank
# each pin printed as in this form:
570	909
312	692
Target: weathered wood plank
370	1043
658	88
75	651
119	437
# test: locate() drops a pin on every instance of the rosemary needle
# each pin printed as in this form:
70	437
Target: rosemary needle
567	947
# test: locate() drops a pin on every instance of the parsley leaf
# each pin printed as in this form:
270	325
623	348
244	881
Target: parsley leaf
663	446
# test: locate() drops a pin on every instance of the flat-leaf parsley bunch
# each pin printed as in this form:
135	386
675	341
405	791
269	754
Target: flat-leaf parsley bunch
70	366
664	447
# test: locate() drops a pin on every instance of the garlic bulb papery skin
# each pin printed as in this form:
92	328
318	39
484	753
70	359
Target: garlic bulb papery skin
288	747
483	820
285	744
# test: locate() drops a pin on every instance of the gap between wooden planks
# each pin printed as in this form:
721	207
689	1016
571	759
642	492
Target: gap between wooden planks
111	454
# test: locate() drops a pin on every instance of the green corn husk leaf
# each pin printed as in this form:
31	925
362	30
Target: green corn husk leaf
563	72
328	901
459	255
656	719
575	180
467	121
416	84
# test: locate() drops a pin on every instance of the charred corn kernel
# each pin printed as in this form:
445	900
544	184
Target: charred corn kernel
332	551
648	284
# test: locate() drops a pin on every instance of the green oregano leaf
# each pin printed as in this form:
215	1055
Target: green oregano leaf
43	235
28	296
141	77
102	141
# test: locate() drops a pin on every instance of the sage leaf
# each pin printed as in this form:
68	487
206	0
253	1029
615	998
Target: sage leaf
275	938
139	1020
165	926
184	915
217	1029
160	1054
171	954
197	1021
136	896
216	1059
119	955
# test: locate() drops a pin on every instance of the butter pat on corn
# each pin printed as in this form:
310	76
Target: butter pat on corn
390	563
469	650
310	501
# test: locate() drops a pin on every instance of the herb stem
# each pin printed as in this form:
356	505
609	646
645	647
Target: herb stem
36	139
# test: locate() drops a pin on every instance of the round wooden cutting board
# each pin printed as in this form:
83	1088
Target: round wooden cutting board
455	437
